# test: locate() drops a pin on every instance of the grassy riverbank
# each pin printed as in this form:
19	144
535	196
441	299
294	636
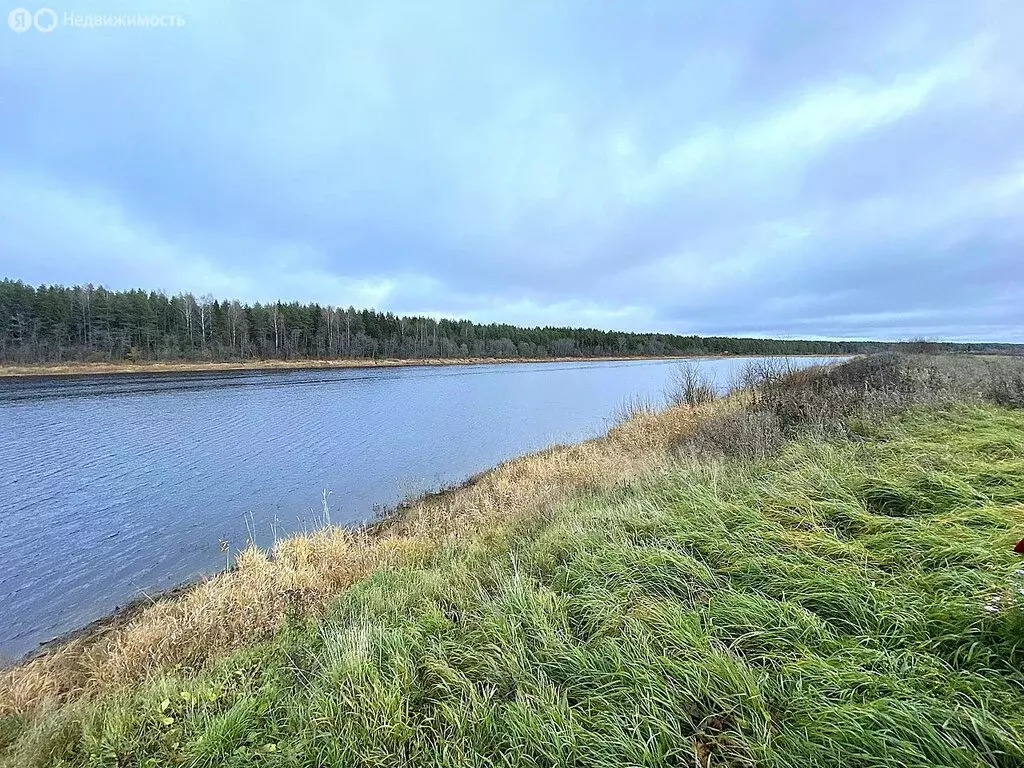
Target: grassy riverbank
818	573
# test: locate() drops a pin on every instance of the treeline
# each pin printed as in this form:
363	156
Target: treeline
89	323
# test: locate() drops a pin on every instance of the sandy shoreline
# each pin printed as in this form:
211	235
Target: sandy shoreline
195	366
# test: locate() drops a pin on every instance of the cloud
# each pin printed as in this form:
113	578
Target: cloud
794	170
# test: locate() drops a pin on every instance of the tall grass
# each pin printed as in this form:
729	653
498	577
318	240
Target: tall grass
849	598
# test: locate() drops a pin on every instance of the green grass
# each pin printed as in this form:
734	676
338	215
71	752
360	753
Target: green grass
844	604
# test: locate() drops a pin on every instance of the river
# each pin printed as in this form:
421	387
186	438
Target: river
117	486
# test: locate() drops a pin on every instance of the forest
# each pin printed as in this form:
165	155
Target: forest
55	323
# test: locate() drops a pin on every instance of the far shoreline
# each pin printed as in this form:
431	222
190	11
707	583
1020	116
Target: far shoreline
197	366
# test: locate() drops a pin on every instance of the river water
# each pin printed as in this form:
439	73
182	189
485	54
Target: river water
115	486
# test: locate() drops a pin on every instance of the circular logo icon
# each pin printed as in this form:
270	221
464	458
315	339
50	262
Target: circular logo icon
45	19
19	20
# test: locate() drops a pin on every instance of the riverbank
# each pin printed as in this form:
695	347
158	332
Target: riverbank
819	571
195	366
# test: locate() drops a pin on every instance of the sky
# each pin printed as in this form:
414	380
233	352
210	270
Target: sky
826	169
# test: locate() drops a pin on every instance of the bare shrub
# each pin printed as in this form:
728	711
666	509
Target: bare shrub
757	374
1007	385
690	385
742	433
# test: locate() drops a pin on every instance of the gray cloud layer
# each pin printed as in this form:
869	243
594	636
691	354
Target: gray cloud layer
768	168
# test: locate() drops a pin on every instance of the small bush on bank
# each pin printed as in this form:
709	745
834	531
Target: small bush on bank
745	433
691	386
1007	386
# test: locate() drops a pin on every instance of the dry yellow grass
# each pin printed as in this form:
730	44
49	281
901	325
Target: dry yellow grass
302	573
